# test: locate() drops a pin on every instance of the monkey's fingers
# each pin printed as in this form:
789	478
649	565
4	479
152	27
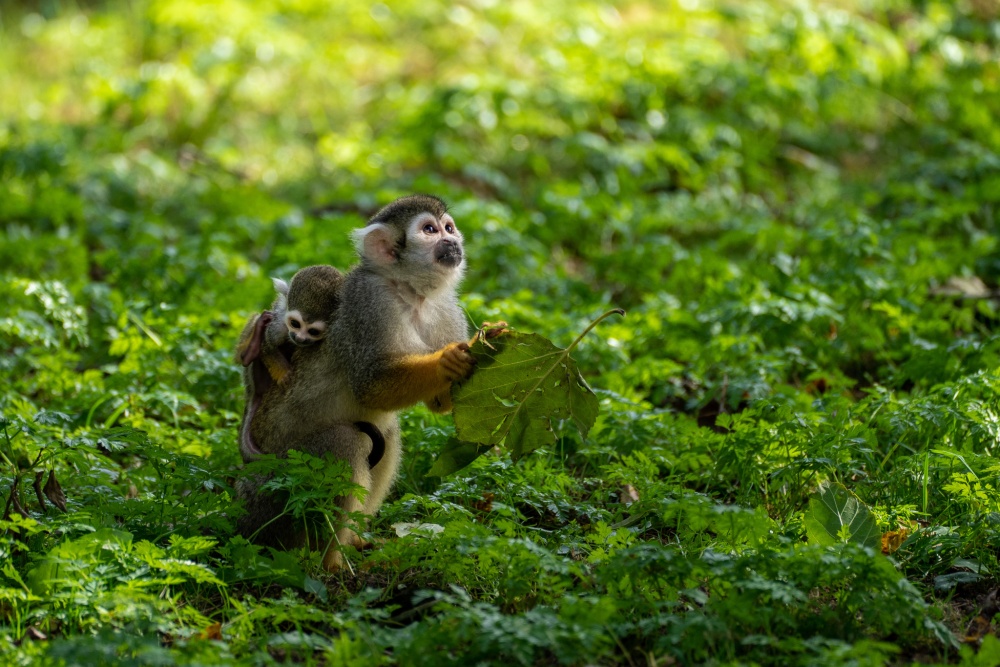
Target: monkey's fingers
456	363
250	352
489	331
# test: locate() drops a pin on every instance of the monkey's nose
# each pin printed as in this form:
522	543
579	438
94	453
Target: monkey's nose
448	252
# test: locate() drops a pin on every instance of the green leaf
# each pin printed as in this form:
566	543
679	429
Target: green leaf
988	654
316	587
836	516
98	547
522	385
455	455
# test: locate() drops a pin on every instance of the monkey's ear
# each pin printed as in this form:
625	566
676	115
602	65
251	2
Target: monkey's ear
376	243
280	286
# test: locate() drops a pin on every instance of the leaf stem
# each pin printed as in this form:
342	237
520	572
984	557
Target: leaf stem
613	311
337	540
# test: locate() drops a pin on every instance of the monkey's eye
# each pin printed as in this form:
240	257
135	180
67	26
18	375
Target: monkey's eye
295	323
314	332
450	229
430	229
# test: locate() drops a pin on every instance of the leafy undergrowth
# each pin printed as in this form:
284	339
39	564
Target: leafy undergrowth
796	203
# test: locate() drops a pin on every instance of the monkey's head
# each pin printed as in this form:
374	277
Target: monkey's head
310	301
414	240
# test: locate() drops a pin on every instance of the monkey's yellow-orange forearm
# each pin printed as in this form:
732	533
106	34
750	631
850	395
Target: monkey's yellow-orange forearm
416	378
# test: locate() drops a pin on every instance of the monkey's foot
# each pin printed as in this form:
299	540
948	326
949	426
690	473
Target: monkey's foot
490	330
358	542
456	363
376	543
334	561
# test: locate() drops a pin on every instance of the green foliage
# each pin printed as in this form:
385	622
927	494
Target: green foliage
309	486
837	515
796	203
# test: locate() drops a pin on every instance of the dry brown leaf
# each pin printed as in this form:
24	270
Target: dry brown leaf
14	502
37	485
54	492
213	631
893	539
486	504
979	627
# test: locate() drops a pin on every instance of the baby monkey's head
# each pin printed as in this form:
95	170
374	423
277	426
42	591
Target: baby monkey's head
311	299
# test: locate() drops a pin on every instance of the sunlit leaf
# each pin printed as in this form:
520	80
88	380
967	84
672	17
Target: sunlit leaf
522	387
836	516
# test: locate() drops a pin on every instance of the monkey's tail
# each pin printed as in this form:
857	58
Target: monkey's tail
248	448
378	442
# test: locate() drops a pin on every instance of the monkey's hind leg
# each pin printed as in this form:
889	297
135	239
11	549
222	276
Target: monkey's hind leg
347	443
384	473
264	522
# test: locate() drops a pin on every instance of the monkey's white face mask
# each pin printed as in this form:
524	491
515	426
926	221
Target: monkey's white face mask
430	257
301	330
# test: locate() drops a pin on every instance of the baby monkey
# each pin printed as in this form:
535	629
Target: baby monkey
299	316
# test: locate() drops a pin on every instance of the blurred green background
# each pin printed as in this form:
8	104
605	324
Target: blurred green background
796	201
813	159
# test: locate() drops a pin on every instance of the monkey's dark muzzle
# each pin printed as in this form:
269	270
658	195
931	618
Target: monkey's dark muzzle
448	253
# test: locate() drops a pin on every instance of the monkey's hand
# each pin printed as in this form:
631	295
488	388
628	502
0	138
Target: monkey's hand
456	363
278	366
248	349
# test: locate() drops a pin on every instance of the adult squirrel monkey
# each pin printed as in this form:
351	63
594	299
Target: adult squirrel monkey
398	337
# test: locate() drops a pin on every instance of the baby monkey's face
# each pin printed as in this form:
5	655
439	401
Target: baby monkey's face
302	331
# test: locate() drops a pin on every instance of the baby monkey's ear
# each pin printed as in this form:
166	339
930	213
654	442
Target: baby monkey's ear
280	286
377	243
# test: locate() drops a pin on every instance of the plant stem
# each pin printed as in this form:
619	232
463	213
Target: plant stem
607	314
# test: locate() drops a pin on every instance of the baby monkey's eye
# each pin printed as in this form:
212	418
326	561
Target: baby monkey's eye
429	228
450	228
314	332
295	324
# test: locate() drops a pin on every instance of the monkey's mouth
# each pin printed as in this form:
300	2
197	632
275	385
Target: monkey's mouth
448	254
303	342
